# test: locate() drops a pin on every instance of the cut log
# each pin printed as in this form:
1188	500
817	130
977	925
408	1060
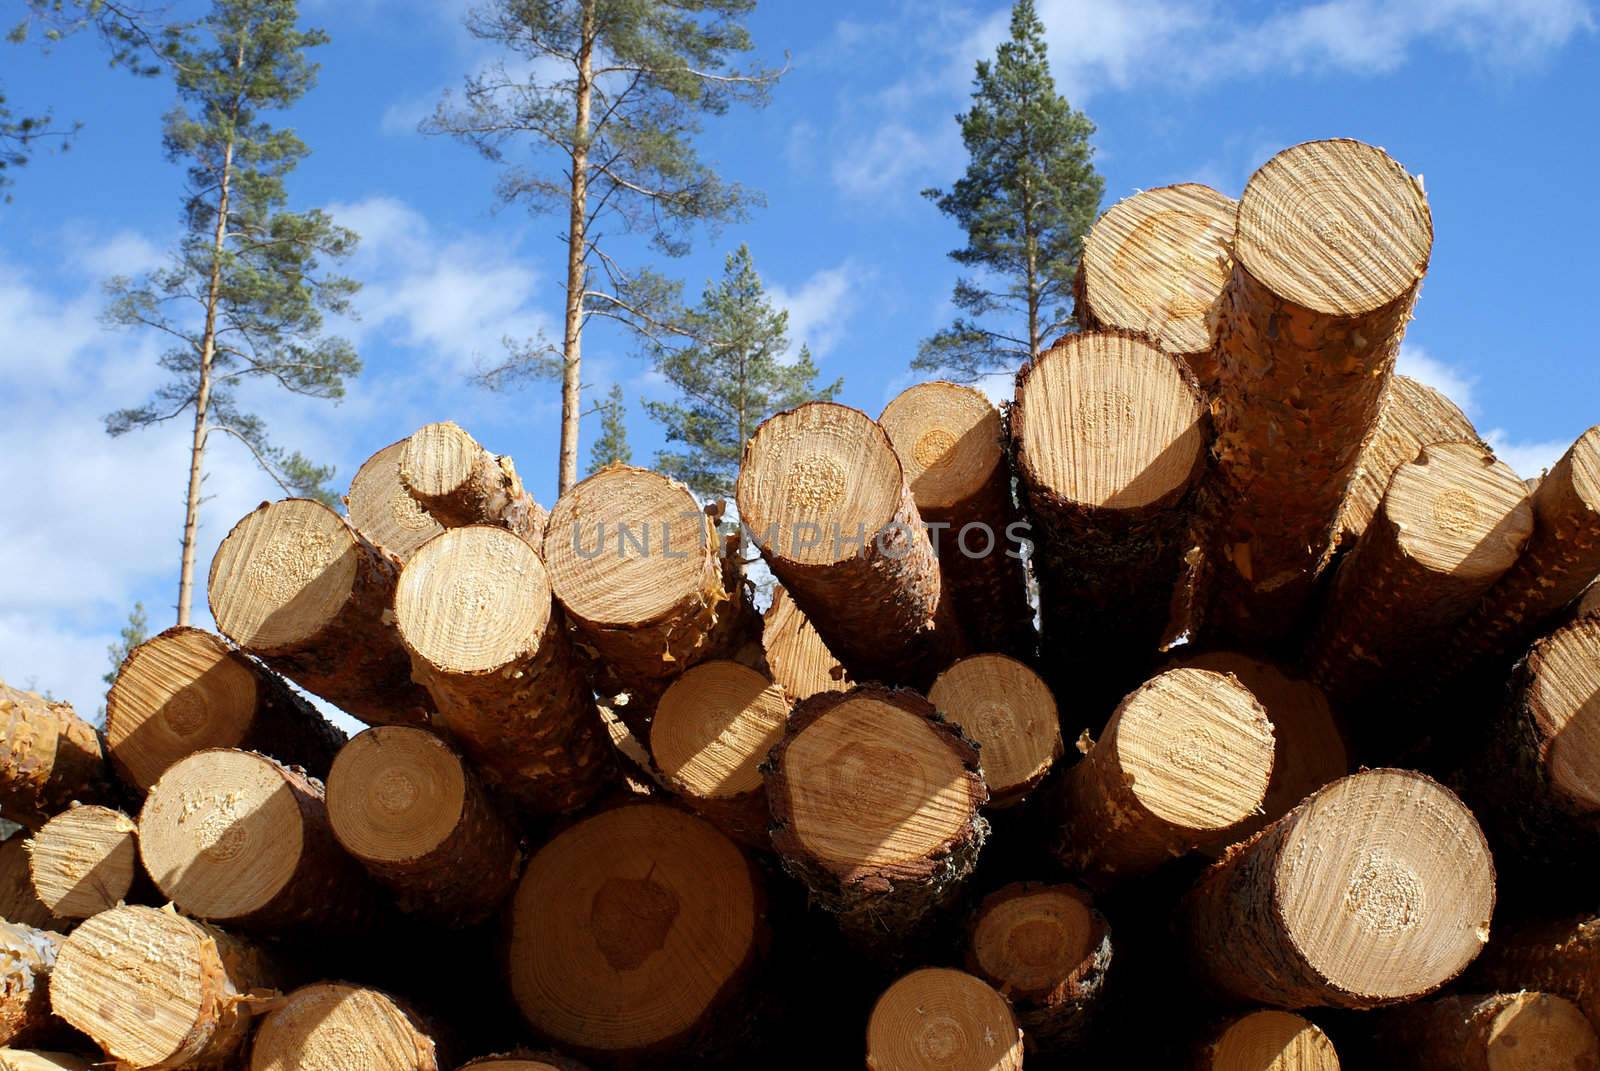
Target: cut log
533	1061
235	837
187	689
796	656
32	1060
1497	1032
297	587
383	511
1156	264
1010	713
1410	416
1588	603
1332	243
825	497
875	804
27	956
1047	950
18	902
1451	523
1269	1041
936	1017
1108	435
475	611
1183	761
950	442
1560	956
334	1025
409	809
633	934
459	483
49	757
1309	749
712	731
1376	890
84	861
158	991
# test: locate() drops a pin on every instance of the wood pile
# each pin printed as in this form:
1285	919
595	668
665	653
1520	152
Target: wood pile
1277	746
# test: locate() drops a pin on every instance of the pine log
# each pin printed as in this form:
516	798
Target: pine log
950	441
1498	1032
1108	435
27	956
18	901
187	689
937	1017
533	1061
1411	415
1332	242
796	655
711	732
875	802
459	483
297	587
474	609
84	861
49	757
34	1060
335	1025
1183	761
157	991
1559	956
825	497
1047	950
1588	603
633	935
1156	264
409	809
1376	890
1269	1041
235	837
383	511
1450	524
1010	713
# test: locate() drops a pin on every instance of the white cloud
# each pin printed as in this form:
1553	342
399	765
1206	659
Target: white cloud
1448	380
820	307
1528	458
123	253
894	158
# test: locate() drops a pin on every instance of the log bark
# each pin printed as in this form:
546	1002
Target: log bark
1588	604
1268	1041
950	441
332	1024
937	1017
18	901
27	956
411	811
1332	242
1560	956
1184	760
1376	890
159	992
187	689
1046	950
297	587
84	861
459	483
474	610
383	511
795	654
1495	1032
634	934
1156	265
875	805
235	837
826	500
1010	713
49	757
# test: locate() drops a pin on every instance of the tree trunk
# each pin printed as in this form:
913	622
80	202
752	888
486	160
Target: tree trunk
186	690
49	757
1268	1041
1560	957
795	654
1156	265
330	1023
519	703
411	811
1332	242
27	956
84	861
297	587
1376	890
158	991
1184	760
577	256
950	442
459	483
1498	1032
1011	715
945	1018
19	902
383	511
234	837
1047	950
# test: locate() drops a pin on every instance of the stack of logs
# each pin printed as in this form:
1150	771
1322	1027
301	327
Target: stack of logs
1222	703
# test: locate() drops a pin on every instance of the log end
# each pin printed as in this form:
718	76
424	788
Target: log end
438	459
1539	1031
1011	713
1037	943
383	511
936	1017
1458	511
84	861
1272	1041
335	1025
713	728
948	438
395	794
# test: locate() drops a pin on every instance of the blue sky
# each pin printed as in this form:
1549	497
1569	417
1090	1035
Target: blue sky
1492	100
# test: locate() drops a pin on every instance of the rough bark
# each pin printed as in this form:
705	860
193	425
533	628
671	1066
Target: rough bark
332	1024
459	483
383	511
1559	956
18	901
85	860
27	956
49	757
1495	1032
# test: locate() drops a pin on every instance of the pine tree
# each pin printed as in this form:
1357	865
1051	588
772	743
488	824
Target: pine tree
1029	195
135	632
614	92
612	447
245	294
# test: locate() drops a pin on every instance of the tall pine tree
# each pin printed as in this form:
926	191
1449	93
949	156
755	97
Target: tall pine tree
1028	197
611	448
244	295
